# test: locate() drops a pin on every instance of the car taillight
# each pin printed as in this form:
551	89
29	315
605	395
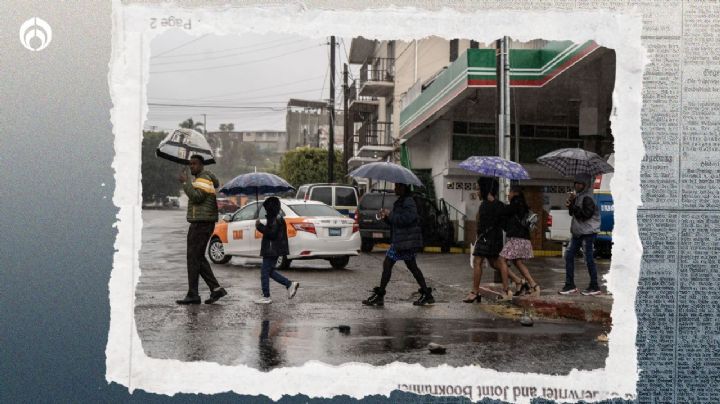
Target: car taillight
598	181
308	227
549	221
356	227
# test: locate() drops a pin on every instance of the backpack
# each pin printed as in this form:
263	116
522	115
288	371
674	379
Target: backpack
530	221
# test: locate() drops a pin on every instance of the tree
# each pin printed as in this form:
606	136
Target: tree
190	124
159	176
227	127
306	165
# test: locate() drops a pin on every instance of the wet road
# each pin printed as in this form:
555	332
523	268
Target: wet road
291	332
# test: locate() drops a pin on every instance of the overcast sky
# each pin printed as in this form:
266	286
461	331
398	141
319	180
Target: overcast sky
259	73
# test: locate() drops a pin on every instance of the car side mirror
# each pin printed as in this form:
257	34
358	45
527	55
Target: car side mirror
226	217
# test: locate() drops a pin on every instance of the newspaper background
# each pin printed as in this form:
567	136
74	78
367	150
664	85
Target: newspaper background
678	336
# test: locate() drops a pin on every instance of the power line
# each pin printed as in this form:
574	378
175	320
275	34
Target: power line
244	91
235	64
227	56
219	50
213	106
180	46
264	96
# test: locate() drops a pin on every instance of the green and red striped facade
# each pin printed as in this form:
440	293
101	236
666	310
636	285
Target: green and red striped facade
476	68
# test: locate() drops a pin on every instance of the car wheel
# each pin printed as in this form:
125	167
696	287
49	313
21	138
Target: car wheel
366	245
282	263
216	252
339	262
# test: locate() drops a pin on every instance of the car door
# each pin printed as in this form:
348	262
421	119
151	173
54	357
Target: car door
346	201
322	194
240	229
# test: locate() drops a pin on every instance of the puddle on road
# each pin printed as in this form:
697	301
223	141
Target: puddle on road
500	344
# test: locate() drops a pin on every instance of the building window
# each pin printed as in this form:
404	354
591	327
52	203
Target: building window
454	48
480	139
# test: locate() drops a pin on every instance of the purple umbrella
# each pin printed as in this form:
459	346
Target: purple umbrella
494	166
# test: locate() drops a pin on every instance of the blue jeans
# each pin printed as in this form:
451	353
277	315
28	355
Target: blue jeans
587	242
267	272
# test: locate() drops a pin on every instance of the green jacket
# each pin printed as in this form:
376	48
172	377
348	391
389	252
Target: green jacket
202	203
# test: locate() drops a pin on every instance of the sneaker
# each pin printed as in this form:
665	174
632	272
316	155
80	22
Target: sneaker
376	299
214	296
426	298
568	290
292	290
591	291
263	300
189	300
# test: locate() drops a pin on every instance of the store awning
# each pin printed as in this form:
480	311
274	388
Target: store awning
476	68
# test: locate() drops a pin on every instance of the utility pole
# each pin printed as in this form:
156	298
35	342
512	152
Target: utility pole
503	90
346	126
204	124
331	137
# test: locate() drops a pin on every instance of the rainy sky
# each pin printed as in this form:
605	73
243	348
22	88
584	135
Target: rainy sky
245	80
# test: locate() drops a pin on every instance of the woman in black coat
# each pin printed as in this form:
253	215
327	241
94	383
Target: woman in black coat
406	241
274	244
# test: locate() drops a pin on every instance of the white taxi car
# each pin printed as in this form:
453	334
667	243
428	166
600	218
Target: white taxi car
315	231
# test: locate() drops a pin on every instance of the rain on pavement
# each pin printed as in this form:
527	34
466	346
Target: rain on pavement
236	331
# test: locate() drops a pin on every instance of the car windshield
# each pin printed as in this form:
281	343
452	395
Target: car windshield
373	201
307	209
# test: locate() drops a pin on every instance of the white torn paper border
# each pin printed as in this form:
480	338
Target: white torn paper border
127	364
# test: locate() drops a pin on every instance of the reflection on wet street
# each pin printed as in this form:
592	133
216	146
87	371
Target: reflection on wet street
327	323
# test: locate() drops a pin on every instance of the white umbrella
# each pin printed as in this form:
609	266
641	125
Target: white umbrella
183	143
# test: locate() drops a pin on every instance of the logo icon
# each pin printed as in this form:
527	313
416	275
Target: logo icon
35	34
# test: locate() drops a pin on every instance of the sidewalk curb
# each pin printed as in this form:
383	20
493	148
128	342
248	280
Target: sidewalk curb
592	309
584	308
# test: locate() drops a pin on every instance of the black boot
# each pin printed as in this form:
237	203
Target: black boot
189	299
376	299
426	298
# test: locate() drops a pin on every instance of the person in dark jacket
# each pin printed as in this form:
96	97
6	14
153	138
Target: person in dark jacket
517	246
489	236
274	244
202	214
584	228
406	241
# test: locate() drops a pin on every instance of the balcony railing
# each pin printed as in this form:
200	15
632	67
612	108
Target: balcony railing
353	93
377	69
374	133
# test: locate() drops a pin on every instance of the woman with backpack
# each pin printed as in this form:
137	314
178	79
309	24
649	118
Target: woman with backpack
489	242
406	241
517	246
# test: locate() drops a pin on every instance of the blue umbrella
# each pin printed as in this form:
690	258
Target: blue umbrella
387	172
494	166
256	183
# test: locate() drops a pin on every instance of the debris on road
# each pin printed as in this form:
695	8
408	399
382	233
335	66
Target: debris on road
436	349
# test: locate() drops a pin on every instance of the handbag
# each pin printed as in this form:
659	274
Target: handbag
484	245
